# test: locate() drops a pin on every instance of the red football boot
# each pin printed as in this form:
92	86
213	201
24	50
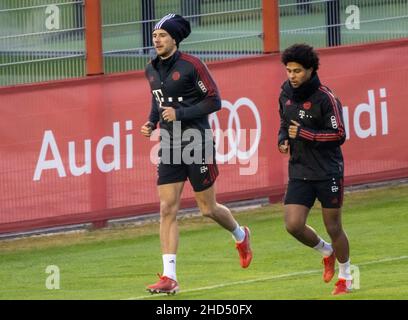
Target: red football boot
342	286
329	264
164	285
244	249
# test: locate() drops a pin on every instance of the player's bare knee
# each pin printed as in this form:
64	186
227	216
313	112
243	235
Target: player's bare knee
334	231
294	228
168	209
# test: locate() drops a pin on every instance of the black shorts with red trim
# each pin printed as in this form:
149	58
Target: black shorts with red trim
201	175
304	192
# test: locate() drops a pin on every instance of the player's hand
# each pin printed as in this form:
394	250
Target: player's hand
284	148
293	129
147	129
169	114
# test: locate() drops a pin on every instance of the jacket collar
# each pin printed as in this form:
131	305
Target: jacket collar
168	62
304	91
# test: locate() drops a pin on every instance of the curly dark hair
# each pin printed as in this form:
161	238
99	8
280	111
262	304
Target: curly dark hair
302	54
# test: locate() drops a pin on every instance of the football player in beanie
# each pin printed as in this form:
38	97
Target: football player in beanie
312	131
183	95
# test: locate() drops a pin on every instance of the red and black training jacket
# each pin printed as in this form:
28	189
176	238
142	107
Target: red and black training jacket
315	153
184	83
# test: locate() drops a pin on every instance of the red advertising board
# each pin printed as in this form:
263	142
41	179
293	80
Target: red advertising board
71	151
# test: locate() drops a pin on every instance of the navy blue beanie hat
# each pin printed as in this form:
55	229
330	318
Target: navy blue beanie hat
175	25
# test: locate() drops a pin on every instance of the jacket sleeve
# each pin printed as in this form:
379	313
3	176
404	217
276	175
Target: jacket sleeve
154	116
283	130
207	89
333	133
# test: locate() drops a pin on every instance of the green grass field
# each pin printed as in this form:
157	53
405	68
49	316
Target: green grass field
118	263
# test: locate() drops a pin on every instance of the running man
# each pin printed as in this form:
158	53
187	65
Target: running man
183	95
312	130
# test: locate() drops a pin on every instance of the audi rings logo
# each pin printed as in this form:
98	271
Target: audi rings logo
237	138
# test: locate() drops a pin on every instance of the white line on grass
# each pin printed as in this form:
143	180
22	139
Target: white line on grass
280	276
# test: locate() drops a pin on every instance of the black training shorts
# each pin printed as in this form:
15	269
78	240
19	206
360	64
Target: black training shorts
201	175
304	192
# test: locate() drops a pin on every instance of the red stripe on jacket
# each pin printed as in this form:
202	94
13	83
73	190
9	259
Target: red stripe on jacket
202	72
327	136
